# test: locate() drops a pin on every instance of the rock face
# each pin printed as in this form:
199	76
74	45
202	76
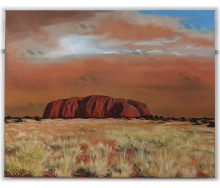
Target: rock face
95	106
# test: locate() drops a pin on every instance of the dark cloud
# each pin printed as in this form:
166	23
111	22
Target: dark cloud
24	23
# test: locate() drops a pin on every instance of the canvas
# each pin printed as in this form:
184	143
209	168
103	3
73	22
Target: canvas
110	93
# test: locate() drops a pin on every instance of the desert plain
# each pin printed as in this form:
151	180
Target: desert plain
109	147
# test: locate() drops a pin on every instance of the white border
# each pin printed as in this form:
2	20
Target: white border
103	4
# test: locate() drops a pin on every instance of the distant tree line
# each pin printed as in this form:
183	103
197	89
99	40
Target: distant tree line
194	121
21	119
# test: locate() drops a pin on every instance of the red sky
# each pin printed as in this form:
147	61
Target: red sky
149	58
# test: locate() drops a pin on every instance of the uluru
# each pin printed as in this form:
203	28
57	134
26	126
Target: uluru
96	106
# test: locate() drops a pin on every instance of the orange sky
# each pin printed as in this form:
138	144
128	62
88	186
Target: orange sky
150	58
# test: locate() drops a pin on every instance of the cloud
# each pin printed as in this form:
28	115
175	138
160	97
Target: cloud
159	41
30	23
75	46
81	46
66	35
189	50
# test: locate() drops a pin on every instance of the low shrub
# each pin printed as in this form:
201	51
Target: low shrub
18	120
211	124
182	119
37	118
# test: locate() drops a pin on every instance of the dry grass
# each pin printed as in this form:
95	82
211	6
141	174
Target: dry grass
108	148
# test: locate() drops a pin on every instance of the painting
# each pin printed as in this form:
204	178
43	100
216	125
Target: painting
110	93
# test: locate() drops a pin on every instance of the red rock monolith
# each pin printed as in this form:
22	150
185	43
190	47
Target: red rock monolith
96	106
